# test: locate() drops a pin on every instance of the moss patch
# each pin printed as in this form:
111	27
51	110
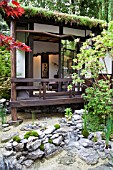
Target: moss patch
30	133
63	17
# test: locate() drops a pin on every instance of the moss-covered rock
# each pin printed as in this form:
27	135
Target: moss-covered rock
57	126
85	133
41	147
17	139
30	133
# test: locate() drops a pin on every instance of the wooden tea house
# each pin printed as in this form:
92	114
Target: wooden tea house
41	77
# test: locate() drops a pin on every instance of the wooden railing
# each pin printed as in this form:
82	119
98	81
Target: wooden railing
45	88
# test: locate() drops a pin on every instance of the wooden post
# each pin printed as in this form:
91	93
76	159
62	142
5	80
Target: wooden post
30	63
13	71
60	61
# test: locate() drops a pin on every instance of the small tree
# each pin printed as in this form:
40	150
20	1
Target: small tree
89	63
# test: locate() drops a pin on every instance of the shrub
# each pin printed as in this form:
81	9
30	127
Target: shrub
57	126
68	113
5	73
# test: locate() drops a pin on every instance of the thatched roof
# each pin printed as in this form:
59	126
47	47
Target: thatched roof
72	19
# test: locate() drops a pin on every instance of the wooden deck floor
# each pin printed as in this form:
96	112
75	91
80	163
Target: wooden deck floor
36	101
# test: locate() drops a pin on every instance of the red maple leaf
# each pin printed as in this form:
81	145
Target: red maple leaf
14	11
9	43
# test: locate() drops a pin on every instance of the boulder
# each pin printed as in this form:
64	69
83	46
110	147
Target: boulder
35	155
89	155
32	146
58	141
49	148
49	130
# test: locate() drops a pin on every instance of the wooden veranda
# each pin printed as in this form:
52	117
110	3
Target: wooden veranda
48	92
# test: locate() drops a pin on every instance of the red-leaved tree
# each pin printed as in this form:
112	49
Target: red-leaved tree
13	10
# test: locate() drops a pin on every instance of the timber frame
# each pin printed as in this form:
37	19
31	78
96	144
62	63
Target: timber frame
43	97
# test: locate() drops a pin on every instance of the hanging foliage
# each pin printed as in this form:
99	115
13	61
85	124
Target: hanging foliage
10	43
12	9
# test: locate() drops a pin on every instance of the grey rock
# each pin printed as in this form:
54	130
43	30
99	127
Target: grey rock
89	155
18	155
76	117
7	154
35	155
102	155
14	144
91	135
24	141
80	112
57	141
21	159
39	132
28	163
6	129
63	120
18	166
49	148
6	137
19	147
74	144
5	125
31	146
45	140
49	130
32	138
55	136
8	146
66	141
102	167
79	126
2	100
99	135
85	142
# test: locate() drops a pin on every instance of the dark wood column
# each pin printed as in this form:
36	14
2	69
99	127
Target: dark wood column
13	70
30	58
60	60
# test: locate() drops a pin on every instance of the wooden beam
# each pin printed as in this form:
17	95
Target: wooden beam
13	71
61	36
41	102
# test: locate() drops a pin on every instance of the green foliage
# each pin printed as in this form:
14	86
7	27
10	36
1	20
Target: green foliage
30	133
57	126
17	139
3	114
108	131
95	139
41	147
85	132
88	64
50	141
4	73
68	113
99	99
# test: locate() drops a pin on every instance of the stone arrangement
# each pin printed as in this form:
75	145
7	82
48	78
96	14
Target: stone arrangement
51	140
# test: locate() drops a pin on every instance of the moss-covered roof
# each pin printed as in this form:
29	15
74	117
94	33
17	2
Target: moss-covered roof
63	17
